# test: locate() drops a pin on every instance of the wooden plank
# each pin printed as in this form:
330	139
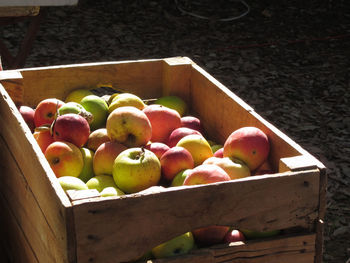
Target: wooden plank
261	203
37	2
40	181
12	81
9	11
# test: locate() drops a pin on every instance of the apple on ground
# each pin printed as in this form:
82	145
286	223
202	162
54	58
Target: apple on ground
192	122
234	235
101	182
43	137
126	99
77	95
219	153
104	157
198	146
28	116
177	134
98	108
248	144
65	159
163	121
71	183
173	102
96	138
72	128
177	246
46	111
180	178
175	160
233	167
87	173
158	148
136	169
129	126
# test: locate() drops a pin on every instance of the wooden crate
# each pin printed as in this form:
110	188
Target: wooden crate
40	223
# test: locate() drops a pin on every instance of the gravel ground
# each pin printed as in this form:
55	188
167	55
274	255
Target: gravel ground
289	60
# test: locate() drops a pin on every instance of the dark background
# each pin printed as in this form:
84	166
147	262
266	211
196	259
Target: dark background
287	59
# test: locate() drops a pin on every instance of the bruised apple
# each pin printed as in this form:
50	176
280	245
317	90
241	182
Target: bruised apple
248	144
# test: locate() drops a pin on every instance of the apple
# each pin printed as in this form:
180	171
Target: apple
177	246
178	134
28	116
65	159
72	183
158	148
174	161
198	146
216	147
136	169
96	138
100	182
126	99
43	137
180	178
98	108
248	144
234	235
233	167
205	174
46	111
77	95
265	168
70	107
129	126
111	191
87	173
163	121
192	122
252	234
219	153
173	102
104	157
210	235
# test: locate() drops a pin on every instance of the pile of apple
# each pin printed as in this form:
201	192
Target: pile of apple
120	144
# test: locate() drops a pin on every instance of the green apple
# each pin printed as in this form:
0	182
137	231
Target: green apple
173	102
98	108
111	191
136	169
70	107
87	173
71	183
77	95
100	182
179	245
180	178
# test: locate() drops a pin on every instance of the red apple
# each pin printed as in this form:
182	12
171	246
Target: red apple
233	167
192	123
43	138
248	144
158	148
234	235
265	168
177	134
205	174
46	110
163	120
174	161
28	116
210	235
72	128
219	153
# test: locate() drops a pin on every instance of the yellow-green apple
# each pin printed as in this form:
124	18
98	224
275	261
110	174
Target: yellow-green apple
252	234
180	178
163	121
46	111
105	155
178	134
158	148
234	235
28	116
72	128
100	182
198	146
192	122
98	108
77	95
70	107
173	102
219	153
111	191
206	174
43	137
233	167
129	126
64	158
249	144
176	246
174	161
126	99
210	235
71	183
96	138
136	169
88	172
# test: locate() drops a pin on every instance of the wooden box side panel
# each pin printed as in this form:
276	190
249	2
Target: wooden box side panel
261	203
142	78
32	190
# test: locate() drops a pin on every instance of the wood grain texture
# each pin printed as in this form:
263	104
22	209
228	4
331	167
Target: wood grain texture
261	203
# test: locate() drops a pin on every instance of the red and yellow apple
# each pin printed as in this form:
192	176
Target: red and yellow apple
179	178
96	138
233	167
158	148
43	137
206	174
46	111
28	116
219	153
192	122
177	134
173	102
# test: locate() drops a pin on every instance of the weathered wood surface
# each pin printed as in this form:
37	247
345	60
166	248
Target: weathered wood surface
9	11
37	2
